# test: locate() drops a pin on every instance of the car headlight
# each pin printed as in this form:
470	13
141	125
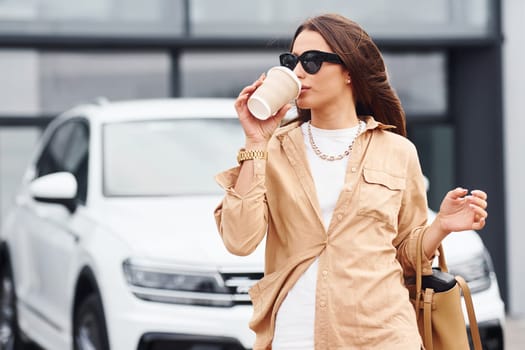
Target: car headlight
476	271
178	284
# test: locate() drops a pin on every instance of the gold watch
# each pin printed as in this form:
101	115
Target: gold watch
245	154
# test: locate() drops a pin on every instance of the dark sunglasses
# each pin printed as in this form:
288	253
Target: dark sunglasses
310	60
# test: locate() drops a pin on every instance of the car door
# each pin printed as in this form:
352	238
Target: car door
52	232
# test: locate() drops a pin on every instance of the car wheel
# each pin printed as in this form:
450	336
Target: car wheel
89	326
9	334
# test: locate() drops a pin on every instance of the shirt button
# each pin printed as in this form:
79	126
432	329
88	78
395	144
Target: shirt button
354	169
340	217
325	272
323	304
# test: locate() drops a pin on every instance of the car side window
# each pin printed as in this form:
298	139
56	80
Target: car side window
76	158
51	159
67	150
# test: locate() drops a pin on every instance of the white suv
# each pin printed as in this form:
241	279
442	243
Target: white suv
111	242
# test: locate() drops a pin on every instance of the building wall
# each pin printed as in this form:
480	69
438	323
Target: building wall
514	143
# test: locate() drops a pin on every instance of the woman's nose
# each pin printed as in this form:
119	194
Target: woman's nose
298	70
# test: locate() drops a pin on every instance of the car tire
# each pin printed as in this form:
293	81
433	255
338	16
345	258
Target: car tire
10	338
90	326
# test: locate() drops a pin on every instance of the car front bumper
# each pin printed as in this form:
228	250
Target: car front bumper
158	326
490	316
169	341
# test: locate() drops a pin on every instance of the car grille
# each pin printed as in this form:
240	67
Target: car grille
167	341
239	285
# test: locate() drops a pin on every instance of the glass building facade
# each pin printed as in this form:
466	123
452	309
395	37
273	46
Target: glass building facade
57	53
235	18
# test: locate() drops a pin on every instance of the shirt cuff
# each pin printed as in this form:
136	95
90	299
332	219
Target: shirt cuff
259	167
227	179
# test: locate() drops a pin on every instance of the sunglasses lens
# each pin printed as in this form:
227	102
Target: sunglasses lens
311	67
311	62
288	60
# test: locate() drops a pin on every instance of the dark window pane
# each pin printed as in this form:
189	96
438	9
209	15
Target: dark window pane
47	83
435	145
68	79
19	88
381	18
136	18
222	74
419	79
420	82
103	17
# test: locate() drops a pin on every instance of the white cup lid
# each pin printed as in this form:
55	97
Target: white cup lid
259	108
292	75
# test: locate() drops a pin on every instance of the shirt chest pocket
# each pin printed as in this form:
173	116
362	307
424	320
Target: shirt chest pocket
380	195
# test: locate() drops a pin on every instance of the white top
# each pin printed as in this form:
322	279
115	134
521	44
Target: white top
294	325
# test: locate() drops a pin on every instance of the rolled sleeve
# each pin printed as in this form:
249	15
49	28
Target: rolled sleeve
412	219
242	220
407	254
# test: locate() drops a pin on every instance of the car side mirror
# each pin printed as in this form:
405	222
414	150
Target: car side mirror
58	188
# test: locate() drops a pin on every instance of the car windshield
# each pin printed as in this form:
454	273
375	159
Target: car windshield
168	157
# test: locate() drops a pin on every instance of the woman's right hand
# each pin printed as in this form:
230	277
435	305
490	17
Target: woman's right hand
257	132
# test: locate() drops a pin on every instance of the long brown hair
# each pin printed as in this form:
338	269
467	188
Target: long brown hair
372	92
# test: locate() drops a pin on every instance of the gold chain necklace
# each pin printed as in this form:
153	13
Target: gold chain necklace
324	156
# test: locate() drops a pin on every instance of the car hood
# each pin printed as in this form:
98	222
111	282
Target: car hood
179	230
183	230
461	246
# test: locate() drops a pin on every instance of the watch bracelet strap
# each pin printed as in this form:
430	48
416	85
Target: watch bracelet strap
250	154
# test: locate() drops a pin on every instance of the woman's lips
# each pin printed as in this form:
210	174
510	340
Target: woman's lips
304	89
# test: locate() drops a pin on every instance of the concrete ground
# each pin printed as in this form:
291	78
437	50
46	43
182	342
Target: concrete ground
515	334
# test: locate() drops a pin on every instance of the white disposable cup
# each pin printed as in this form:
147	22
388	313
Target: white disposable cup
280	87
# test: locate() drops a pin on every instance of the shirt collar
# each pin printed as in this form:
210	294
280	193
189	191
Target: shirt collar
371	124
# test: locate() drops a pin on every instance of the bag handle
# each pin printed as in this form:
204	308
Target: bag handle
419	270
473	323
467	297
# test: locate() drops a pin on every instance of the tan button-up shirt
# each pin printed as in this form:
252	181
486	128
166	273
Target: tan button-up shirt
361	300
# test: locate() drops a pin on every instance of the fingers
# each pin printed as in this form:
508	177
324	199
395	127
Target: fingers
457	193
464	210
478	225
245	93
478	203
479	213
281	113
479	194
479	222
476	196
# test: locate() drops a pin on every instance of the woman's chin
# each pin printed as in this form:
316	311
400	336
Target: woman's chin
301	103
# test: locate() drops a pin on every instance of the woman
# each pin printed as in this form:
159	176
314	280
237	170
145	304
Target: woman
340	198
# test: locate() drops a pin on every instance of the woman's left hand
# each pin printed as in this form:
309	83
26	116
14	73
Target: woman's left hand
461	211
